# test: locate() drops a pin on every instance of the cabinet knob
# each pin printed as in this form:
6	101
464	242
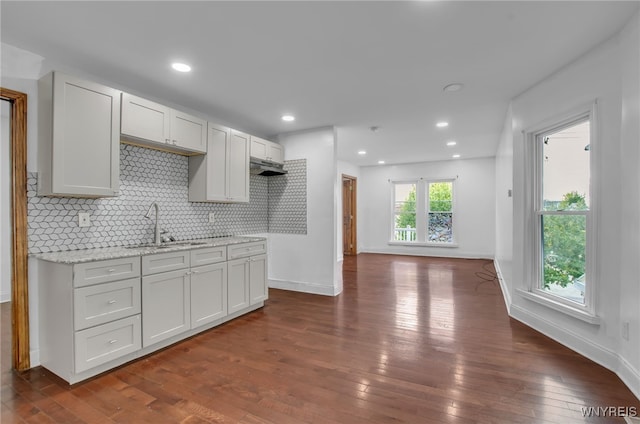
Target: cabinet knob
175	141
111	302
113	341
111	270
166	140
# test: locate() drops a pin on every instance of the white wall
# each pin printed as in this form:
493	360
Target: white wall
608	73
474	224
308	262
5	202
504	208
629	157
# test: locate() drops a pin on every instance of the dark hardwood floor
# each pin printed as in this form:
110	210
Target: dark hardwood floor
410	340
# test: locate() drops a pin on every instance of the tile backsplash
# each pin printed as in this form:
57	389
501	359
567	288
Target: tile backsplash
146	176
288	199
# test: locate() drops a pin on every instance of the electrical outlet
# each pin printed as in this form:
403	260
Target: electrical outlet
83	219
212	218
625	330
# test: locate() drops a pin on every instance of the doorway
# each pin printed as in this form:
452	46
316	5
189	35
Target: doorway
17	187
349	215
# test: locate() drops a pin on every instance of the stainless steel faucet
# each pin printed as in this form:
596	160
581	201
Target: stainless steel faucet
156	234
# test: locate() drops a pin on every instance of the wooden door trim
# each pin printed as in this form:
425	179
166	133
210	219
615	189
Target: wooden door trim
354	223
19	289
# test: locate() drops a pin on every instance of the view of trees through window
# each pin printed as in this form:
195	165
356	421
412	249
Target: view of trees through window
438	208
564	208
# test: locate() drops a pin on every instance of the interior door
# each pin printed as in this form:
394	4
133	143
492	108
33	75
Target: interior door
349	226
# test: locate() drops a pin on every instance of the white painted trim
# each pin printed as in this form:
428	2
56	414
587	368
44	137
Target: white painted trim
506	294
304	287
585	347
34	358
629	376
560	306
412	252
5	297
421	244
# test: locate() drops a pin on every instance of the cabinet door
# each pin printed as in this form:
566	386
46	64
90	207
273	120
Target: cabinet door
216	163
258	148
79	150
165	306
238	167
144	119
276	153
208	294
188	132
238	284
258	290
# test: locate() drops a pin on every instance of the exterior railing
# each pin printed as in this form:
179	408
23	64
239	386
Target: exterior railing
404	234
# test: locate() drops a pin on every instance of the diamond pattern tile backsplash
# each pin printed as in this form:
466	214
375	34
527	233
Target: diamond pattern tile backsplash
288	199
146	176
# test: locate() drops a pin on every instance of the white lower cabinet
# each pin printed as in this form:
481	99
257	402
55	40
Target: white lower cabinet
247	282
97	315
165	306
88	315
208	294
238	284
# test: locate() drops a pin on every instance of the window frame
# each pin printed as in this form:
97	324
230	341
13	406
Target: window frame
422	212
534	212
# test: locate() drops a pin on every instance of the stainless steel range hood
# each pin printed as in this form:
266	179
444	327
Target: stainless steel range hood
265	168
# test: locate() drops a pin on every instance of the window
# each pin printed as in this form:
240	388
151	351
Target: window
562	211
423	212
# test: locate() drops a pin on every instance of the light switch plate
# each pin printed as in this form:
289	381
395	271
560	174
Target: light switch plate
83	219
212	218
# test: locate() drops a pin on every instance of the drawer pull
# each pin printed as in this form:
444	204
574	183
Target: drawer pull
194	272
111	302
113	341
111	270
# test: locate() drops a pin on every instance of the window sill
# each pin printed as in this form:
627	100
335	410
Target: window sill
421	244
575	312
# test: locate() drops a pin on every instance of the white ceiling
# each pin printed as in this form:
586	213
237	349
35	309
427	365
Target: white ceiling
349	64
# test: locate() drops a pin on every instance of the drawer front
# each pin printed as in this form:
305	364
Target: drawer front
163	262
98	304
210	255
244	250
89	273
98	345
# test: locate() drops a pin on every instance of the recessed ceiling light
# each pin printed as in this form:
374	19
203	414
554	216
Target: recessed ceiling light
380	162
181	67
362	152
288	118
442	124
455	86
456	156
451	143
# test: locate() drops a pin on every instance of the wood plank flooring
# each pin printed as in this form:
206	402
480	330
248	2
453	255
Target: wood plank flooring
410	340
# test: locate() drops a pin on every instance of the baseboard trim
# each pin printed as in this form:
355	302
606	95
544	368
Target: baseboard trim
5	297
34	358
303	287
410	252
506	294
629	376
598	354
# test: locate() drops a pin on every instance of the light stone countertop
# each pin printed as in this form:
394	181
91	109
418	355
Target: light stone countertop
89	255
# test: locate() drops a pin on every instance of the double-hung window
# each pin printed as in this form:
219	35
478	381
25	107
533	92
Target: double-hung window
561	218
423	212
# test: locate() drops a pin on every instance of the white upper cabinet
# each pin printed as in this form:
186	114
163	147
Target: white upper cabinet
158	126
266	150
223	174
78	137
